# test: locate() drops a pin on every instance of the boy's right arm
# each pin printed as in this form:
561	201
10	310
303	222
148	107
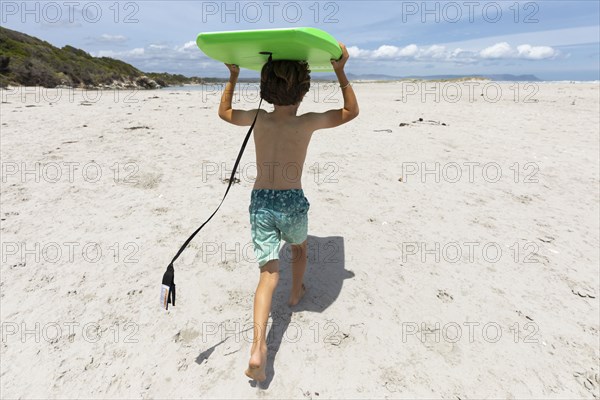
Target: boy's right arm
226	112
333	118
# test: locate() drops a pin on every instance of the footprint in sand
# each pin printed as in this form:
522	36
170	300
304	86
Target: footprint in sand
439	340
228	266
590	380
546	239
539	258
583	292
523	315
185	336
146	181
444	296
182	365
524	199
235	180
393	381
581	289
160	210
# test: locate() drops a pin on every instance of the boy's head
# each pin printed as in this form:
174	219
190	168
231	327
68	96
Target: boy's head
284	82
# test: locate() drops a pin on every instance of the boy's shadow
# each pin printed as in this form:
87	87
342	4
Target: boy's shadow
324	277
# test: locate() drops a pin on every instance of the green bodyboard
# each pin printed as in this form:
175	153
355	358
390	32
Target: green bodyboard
244	48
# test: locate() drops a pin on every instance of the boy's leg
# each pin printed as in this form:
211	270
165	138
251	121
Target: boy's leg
299	256
269	276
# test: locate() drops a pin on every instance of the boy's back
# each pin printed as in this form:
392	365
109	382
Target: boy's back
281	141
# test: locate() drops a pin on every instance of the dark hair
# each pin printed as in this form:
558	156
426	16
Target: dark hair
284	82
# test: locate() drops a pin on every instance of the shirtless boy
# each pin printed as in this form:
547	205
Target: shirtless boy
278	208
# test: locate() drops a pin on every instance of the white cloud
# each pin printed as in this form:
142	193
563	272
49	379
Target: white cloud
188	50
105	38
409	51
457	52
384	52
137	52
435	51
355	52
502	50
525	51
535	52
184	58
133	53
188	46
499	50
412	51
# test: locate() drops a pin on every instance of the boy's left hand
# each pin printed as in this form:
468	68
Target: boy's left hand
234	70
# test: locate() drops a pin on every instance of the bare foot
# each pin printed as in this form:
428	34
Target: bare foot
296	297
257	365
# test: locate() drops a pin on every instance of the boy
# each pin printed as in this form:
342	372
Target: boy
278	208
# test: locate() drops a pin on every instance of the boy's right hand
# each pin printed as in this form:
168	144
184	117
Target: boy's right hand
338	65
234	70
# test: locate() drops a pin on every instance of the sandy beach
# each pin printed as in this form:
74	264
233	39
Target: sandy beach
453	246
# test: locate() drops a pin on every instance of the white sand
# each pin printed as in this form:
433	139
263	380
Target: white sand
367	326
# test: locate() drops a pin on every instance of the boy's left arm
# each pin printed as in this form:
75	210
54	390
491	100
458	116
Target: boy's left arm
235	117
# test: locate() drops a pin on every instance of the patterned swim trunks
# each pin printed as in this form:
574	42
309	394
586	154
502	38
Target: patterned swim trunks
277	215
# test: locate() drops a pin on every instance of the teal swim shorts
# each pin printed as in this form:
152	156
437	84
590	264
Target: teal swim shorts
277	215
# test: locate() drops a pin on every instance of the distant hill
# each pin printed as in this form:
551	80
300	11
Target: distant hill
29	61
381	77
514	78
498	77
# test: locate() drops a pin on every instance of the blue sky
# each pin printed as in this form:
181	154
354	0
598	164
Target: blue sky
554	40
